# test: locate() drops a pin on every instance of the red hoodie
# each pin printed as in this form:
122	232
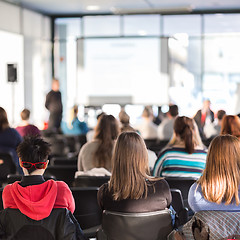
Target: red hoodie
37	201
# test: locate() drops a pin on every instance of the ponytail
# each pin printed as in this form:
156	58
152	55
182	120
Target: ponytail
184	128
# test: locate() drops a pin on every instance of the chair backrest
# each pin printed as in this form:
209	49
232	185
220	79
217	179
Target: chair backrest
62	173
141	226
63	161
7	165
183	184
87	211
60	224
90	181
178	205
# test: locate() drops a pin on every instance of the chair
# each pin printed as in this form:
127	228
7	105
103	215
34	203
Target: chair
11	178
158	146
7	165
60	224
178	205
131	226
183	184
63	161
62	172
87	212
90	181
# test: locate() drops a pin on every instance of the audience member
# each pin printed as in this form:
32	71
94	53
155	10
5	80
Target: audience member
9	138
33	196
130	188
231	125
125	122
147	128
54	105
165	129
213	129
218	187
185	155
204	115
25	128
98	153
76	127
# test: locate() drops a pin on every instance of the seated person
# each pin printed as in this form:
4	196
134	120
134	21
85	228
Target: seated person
98	152
33	196
218	187
185	156
9	138
231	125
25	128
130	188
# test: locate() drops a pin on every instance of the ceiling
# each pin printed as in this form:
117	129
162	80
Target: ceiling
79	7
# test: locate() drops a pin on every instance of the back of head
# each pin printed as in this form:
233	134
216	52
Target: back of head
231	125
184	128
124	117
173	110
25	114
147	112
220	114
33	149
221	177
3	119
130	167
106	132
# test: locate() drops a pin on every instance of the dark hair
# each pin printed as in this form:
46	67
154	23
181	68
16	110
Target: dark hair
221	114
25	114
3	119
184	128
173	110
33	149
106	131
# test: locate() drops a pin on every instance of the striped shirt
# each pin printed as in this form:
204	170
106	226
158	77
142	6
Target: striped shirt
176	162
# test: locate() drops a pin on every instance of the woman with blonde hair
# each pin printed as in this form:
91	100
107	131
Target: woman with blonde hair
185	155
231	125
218	187
130	188
98	152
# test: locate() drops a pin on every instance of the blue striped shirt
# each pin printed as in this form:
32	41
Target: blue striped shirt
176	162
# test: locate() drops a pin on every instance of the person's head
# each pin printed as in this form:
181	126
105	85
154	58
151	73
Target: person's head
231	125
33	150
3	119
55	85
173	110
106	131
220	114
206	104
221	177
147	112
123	117
25	114
75	110
130	167
185	130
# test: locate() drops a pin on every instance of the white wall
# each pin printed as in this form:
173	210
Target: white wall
25	39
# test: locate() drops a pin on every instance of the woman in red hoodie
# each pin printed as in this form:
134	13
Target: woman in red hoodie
33	196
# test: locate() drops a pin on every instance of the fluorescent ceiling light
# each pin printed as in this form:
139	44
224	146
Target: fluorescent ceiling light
92	7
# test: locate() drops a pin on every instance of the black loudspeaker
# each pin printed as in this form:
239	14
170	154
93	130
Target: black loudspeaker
12	72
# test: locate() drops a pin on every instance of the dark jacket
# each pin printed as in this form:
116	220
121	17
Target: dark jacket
60	225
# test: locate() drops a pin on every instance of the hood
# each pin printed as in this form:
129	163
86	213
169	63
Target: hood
35	201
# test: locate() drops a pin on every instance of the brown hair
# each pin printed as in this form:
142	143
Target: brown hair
3	119
25	114
231	125
184	128
106	131
147	112
221	177
130	167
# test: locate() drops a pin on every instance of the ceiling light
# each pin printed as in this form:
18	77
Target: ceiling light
92	7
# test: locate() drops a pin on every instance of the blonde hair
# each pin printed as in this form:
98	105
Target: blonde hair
221	177
130	167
